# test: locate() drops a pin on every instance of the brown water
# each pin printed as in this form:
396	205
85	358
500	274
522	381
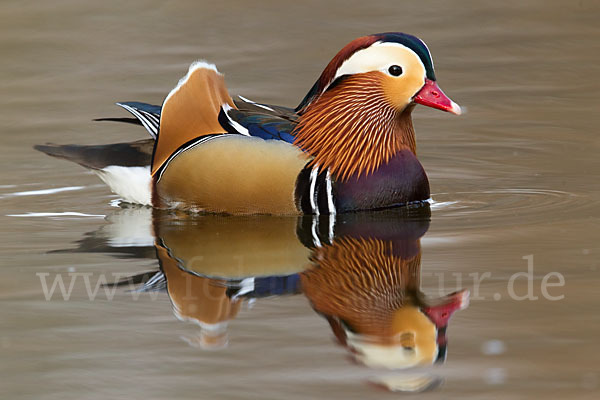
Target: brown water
515	181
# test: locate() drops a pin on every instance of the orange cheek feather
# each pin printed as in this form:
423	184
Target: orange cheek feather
399	91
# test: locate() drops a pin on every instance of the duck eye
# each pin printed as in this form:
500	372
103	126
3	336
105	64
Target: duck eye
395	70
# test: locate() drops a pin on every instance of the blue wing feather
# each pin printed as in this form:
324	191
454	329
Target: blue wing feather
259	120
265	122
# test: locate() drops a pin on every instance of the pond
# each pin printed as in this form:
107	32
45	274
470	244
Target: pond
488	291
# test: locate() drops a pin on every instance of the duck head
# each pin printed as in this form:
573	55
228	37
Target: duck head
399	64
357	114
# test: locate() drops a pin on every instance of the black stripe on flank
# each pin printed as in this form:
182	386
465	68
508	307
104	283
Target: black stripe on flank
302	191
321	192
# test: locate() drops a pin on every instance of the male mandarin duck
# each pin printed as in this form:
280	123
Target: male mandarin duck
348	146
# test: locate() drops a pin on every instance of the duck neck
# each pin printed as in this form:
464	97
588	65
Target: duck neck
353	131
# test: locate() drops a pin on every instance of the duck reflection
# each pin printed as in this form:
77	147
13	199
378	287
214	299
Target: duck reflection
209	265
368	289
360	272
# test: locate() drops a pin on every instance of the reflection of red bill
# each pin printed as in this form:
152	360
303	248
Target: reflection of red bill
441	313
432	96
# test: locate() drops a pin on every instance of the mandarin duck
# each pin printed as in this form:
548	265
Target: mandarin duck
348	146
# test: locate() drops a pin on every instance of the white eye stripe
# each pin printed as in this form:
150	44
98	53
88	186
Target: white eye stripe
401	45
380	56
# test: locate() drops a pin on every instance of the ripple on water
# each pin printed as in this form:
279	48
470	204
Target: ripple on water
509	206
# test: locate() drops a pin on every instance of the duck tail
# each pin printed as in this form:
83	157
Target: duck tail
124	167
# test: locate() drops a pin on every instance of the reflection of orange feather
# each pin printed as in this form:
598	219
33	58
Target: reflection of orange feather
191	110
194	297
352	128
361	282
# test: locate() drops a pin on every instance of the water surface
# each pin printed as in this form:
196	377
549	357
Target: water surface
514	182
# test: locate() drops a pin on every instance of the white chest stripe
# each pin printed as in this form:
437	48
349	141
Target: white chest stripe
314	204
313	193
320	188
330	204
